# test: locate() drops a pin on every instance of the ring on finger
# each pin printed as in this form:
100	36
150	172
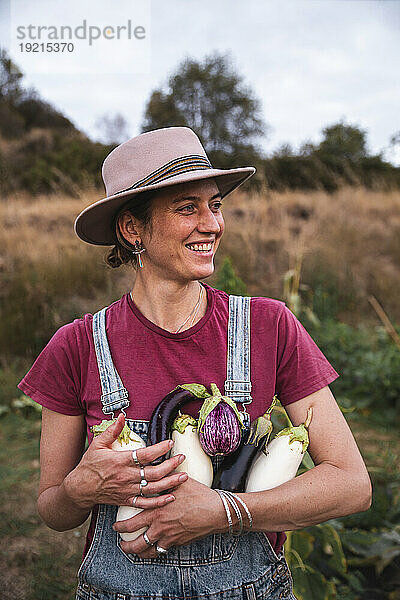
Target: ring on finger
135	458
161	550
142	485
134	499
144	481
146	539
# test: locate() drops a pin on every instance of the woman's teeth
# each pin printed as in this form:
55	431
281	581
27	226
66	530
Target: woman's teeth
199	247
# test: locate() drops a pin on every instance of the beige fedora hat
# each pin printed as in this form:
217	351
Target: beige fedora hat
150	161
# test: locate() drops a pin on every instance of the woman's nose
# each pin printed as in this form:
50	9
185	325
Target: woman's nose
208	221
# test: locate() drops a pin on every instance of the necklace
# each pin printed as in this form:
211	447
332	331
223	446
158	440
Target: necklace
194	311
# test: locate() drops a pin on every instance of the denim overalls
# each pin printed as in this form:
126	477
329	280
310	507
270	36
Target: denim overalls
218	567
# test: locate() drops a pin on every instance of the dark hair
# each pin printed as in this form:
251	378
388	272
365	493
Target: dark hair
140	207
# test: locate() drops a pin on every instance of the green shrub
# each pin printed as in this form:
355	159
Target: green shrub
228	281
368	363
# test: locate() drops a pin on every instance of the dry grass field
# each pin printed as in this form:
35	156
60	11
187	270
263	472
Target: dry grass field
347	243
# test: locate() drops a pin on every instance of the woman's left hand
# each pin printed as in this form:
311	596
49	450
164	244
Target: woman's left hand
196	512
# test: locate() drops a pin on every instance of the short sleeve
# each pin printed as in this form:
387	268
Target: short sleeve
301	366
54	378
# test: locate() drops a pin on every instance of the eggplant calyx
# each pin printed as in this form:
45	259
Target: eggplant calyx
182	422
299	433
198	390
123	438
211	402
259	428
100	427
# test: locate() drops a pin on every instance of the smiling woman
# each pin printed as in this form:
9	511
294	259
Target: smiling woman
179	246
162	214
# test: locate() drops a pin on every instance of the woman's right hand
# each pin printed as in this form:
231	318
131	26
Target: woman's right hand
104	476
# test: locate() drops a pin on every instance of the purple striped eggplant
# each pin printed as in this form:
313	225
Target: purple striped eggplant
232	472
220	424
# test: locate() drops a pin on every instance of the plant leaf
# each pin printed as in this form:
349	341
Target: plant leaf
332	546
309	584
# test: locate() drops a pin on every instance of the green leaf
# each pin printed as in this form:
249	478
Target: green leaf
309	584
332	546
303	543
359	542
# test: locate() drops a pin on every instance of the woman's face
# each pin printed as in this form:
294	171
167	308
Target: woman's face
186	228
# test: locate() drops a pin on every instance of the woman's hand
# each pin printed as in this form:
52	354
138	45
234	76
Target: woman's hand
196	512
105	476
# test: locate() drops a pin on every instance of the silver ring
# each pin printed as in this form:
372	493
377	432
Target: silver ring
142	485
143	481
146	539
142	475
135	458
161	550
134	500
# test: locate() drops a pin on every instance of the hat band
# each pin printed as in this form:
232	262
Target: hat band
191	162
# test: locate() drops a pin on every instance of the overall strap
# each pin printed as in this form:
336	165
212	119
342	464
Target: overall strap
238	384
114	395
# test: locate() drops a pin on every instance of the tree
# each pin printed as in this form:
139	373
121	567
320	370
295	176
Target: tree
209	97
114	129
343	142
10	79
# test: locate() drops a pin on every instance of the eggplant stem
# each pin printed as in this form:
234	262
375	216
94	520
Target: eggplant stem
272	405
308	418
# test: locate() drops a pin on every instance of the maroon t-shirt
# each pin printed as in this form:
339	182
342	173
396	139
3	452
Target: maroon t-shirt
151	361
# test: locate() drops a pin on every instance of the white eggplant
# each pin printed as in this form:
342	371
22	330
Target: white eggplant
127	440
197	463
280	460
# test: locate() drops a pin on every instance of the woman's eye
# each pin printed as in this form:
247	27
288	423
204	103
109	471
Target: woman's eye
188	207
217	205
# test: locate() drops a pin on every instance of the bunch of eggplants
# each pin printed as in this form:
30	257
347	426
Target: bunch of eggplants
219	430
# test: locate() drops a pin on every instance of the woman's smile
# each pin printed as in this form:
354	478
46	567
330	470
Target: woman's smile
204	249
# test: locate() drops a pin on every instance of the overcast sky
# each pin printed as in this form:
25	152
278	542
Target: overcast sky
310	62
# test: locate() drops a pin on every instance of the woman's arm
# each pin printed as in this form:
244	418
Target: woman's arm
338	485
62	444
73	481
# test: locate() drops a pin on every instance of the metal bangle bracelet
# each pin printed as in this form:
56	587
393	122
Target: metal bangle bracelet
237	511
248	513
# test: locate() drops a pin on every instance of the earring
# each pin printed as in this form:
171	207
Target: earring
138	250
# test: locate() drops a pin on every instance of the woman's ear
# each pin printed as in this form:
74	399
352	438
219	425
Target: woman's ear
128	227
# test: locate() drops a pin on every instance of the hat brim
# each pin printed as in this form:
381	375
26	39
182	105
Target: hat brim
94	224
